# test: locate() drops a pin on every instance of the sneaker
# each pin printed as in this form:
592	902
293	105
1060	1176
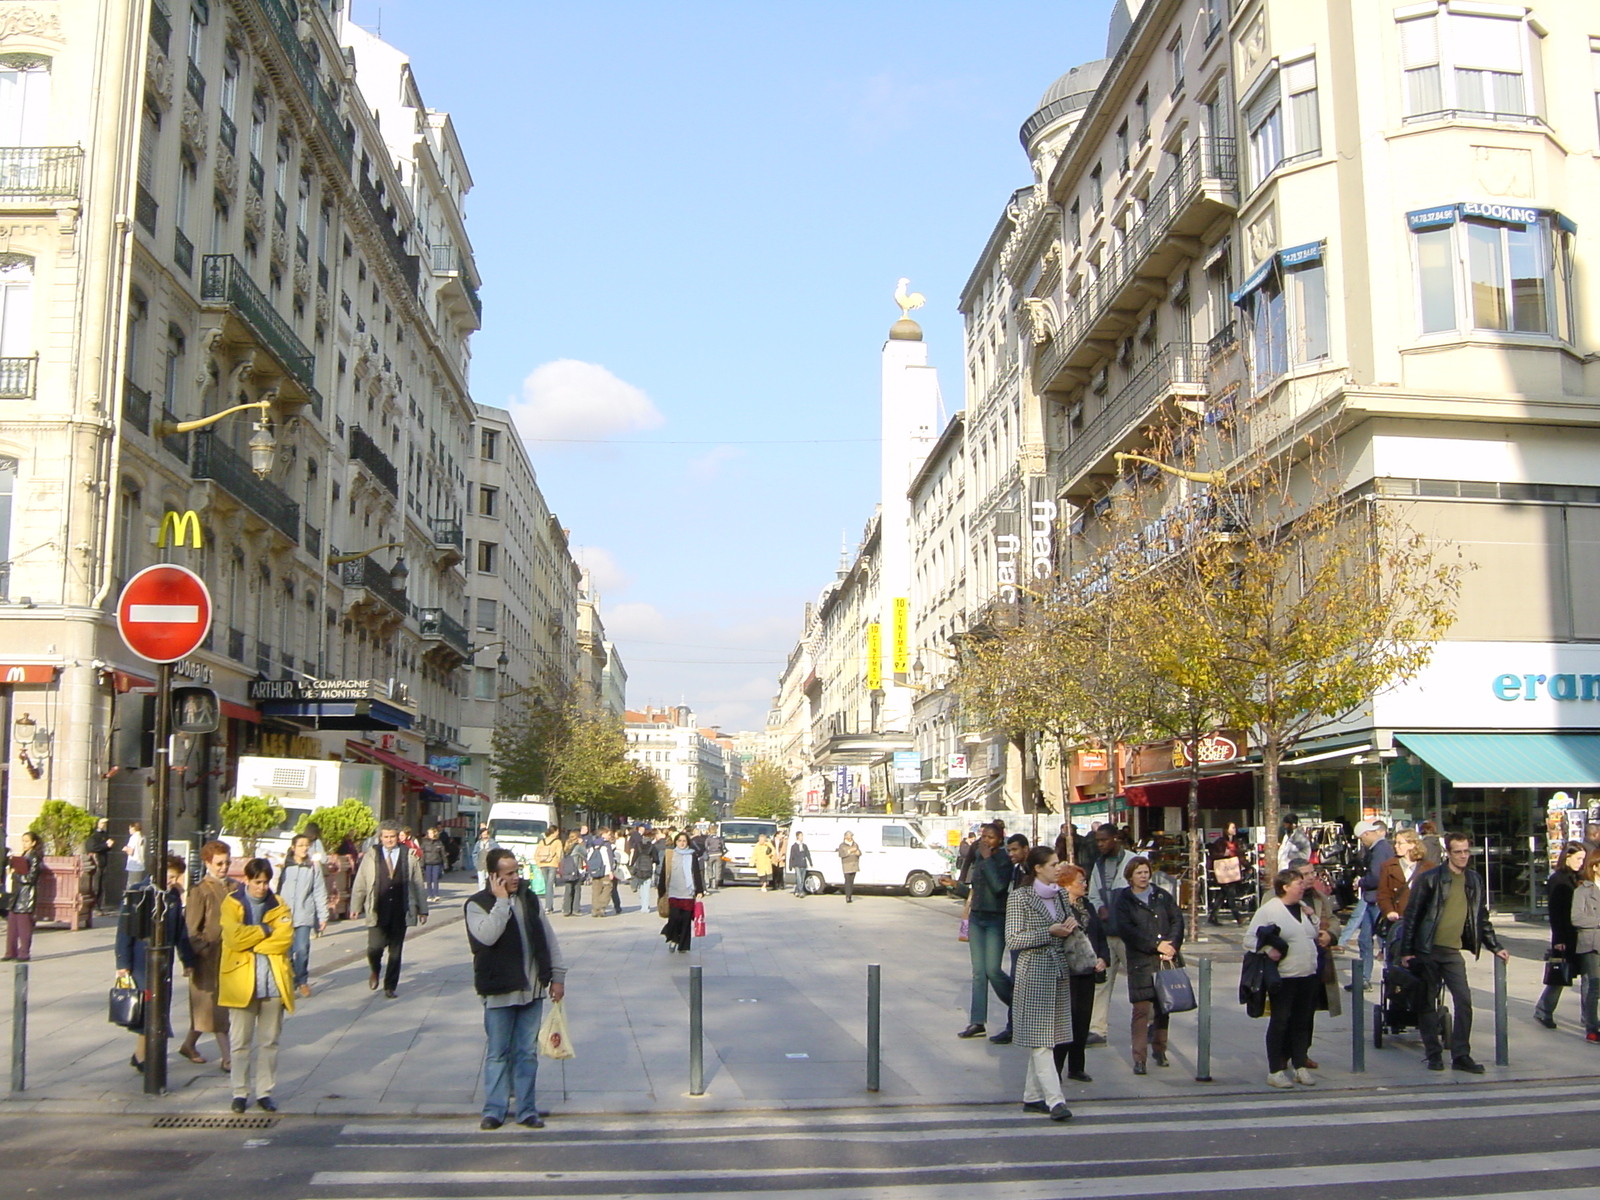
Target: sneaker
1003	1038
1545	1019
974	1030
239	1104
1468	1064
1303	1076
1095	1039
1035	1106
1592	1036
1280	1079
1060	1112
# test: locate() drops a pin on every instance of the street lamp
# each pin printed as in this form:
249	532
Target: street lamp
263	446
502	660
1192	476
398	574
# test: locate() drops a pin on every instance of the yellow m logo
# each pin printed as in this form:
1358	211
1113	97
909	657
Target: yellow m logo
177	524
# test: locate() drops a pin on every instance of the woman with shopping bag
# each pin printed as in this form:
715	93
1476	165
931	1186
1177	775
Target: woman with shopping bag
1151	928
681	886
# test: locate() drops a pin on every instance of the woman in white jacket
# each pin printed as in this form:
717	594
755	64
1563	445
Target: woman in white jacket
1294	1000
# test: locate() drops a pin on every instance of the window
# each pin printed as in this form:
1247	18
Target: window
1097	191
230	82
1075	222
129	524
1458	63
483	683
1282	118
219	225
1122	145
197	29
488	610
1499	268
1594	65
24	104
258	125
488	501
1143	105
16	310
489	445
174	371
1286	308
488	557
1211	18
1175	58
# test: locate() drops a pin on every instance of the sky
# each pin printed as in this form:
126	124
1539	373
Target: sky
689	219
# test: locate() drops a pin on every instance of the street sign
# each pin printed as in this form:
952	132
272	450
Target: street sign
164	613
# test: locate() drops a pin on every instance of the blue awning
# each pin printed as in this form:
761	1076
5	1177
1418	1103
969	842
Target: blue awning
339	714
1283	260
1442	215
1505	760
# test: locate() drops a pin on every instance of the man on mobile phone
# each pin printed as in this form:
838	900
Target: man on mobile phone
516	963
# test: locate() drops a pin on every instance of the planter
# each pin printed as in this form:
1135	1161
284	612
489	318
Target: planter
60	897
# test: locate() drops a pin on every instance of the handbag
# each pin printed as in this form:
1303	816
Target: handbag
126	1007
962	936
1227	870
663	908
553	1039
1558	970
1174	992
1080	955
699	918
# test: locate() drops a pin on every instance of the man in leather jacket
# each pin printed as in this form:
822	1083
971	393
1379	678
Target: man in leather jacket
1448	912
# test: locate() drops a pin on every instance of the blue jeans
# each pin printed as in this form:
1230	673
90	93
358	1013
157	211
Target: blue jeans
986	943
511	1062
300	954
549	876
1362	922
431	875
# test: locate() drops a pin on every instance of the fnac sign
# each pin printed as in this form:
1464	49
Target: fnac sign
180	525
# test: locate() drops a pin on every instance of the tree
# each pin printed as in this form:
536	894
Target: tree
62	826
766	794
525	747
248	817
590	769
351	818
701	808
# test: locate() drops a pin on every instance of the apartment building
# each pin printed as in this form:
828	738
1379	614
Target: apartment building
671	743
209	205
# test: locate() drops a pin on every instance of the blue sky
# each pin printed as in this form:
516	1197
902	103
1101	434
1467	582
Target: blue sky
689	220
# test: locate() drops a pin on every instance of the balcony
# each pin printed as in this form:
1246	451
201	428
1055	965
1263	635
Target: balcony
17	377
135	406
160	27
41	173
282	15
196	84
448	543
313	541
439	626
182	252
176	444
228	132
1201	187
258	175
366	452
236	644
408	264
263	659
1176	373
215	460
366	574
145	209
457	291
225	284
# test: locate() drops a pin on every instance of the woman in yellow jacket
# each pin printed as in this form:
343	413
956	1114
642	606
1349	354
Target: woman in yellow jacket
761	862
255	980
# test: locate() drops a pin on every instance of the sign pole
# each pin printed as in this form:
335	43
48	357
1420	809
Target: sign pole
158	978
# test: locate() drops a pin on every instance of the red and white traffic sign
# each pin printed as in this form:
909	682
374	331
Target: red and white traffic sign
164	613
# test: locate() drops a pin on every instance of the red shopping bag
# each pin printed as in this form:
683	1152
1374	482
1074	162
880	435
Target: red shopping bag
699	918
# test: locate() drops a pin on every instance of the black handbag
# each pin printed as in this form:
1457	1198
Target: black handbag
126	1007
1174	992
1558	970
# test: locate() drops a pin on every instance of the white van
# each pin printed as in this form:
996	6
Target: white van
518	825
894	852
739	837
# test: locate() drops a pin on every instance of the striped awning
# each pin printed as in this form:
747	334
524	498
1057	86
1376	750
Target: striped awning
1504	760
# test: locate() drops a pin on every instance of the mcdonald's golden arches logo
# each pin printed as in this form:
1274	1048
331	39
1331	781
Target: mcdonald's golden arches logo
176	524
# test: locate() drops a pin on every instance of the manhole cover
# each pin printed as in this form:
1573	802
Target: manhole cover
213	1122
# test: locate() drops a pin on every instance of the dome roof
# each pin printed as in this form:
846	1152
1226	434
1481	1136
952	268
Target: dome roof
1084	78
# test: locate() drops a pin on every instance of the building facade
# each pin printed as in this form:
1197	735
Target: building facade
671	744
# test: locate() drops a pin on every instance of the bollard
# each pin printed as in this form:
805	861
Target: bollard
874	1000
19	1026
697	1062
1358	1018
1202	1054
1502	1029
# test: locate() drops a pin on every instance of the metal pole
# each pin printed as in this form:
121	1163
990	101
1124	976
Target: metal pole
19	1026
158	978
1202	1054
874	1000
697	1063
1358	1015
1502	1028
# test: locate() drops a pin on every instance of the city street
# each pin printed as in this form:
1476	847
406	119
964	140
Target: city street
379	1098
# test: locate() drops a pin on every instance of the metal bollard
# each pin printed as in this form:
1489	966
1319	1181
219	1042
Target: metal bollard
1202	1054
1358	1018
697	1061
19	1026
874	1001
1502	1024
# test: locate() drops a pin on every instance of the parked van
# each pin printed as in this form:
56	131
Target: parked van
895	853
739	837
518	825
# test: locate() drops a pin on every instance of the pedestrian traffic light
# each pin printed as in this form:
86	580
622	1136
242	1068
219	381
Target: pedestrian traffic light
195	710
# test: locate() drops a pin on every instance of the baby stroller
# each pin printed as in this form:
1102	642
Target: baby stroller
1404	996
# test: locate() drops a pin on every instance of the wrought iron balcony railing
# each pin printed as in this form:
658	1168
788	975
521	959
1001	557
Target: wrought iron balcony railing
1178	368
366	573
182	252
225	281
136	406
145	209
282	16
366	452
215	460
41	172
446	533
438	625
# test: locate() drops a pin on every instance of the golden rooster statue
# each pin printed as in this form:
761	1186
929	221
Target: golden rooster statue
907	300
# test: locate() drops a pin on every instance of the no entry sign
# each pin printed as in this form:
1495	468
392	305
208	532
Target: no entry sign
164	613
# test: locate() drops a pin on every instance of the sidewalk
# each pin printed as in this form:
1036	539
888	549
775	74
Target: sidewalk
784	1003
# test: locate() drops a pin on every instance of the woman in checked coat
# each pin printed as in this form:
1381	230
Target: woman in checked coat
1039	923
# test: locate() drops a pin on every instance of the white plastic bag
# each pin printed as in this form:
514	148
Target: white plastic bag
553	1039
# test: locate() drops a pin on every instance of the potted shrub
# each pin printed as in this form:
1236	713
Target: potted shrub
62	827
248	817
350	818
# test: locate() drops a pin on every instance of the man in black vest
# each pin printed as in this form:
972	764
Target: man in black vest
515	964
389	891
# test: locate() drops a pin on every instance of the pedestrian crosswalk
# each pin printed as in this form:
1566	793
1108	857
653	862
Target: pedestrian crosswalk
1113	1149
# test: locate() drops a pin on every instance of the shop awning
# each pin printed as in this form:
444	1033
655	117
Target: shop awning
416	772
1233	790
1506	760
339	714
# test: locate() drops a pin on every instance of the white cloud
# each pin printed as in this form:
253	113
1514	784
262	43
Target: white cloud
709	465
568	399
605	573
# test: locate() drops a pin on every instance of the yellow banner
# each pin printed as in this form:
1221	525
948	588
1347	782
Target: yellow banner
902	635
874	656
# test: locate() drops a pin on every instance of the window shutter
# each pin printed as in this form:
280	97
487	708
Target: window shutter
1419	42
1262	103
1300	76
1488	43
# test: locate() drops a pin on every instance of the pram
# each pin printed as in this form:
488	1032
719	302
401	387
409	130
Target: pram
1404	996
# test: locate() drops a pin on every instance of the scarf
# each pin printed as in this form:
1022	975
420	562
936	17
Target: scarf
1046	891
269	902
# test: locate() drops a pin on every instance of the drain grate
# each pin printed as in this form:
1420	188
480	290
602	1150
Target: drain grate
214	1122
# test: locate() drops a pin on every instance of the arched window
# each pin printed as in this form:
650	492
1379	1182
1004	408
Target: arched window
24	100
